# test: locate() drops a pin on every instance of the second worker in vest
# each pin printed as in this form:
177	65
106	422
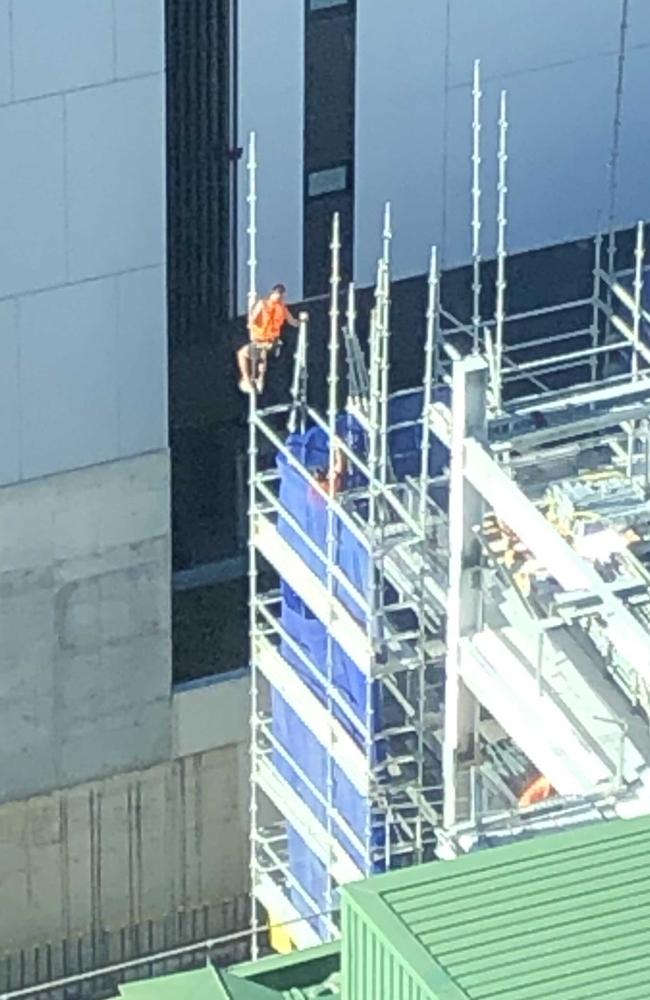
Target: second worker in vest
265	324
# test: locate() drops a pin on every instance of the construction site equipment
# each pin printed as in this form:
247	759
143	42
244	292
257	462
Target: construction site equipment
447	623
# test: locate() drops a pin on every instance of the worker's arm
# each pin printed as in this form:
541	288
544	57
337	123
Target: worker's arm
255	311
290	318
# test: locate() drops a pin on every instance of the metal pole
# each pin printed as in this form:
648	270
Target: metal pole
385	373
252	586
299	382
595	320
639	254
428	384
502	191
252	558
373	456
335	280
427	392
384	279
476	209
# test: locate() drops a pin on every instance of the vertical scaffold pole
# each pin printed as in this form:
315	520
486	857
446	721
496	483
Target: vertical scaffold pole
502	191
595	314
252	560
476	209
335	281
384	279
429	374
371	625
639	254
427	395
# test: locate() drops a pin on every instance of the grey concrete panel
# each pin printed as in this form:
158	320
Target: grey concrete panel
110	744
5	53
142	361
68	377
198	705
79	520
139	36
32	248
84	625
59	47
130	848
116	177
10	429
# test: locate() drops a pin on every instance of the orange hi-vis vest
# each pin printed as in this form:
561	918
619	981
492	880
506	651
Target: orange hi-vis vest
267	325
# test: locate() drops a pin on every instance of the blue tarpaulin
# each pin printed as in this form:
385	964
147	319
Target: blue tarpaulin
309	511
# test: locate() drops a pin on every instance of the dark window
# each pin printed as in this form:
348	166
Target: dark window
318	230
330	27
200	52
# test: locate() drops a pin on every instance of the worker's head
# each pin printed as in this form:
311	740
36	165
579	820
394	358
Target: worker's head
277	293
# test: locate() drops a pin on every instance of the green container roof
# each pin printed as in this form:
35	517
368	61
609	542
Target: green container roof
199	984
561	917
277	977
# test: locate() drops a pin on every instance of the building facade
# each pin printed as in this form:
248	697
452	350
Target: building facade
120	803
356	102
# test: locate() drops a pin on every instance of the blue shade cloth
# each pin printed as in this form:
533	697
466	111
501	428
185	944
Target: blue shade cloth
303	750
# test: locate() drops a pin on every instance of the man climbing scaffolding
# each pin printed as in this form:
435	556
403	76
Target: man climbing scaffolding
265	322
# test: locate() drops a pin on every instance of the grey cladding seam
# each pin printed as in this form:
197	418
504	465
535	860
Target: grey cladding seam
17	296
130	78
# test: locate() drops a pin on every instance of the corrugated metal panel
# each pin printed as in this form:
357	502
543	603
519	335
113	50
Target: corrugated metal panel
369	969
198	41
565	916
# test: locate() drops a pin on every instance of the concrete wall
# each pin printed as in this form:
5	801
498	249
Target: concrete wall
82	217
84	537
85	651
136	846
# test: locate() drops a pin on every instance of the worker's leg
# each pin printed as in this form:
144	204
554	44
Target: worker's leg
244	364
260	368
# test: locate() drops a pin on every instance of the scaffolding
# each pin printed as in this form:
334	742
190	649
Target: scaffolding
456	596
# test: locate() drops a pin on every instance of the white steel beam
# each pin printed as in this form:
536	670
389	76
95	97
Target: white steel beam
344	629
469	385
571	571
503	684
325	727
